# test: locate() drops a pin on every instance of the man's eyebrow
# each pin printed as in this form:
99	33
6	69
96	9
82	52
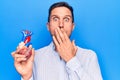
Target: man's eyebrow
64	16
53	16
68	16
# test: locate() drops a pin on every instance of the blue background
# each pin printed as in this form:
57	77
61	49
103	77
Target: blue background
97	28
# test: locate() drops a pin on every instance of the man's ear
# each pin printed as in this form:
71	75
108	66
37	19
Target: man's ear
48	26
73	26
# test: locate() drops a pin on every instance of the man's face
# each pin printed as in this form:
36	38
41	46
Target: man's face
61	17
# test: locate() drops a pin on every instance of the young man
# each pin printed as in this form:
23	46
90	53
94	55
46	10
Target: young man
62	59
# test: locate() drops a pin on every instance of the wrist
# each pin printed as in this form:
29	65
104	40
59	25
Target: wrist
69	58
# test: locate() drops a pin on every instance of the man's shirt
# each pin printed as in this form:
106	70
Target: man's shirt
48	65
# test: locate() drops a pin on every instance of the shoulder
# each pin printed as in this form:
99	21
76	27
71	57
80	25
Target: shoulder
85	53
41	50
86	56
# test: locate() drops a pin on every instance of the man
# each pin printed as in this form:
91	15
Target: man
62	59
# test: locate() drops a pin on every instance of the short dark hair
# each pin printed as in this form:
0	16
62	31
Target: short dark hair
61	4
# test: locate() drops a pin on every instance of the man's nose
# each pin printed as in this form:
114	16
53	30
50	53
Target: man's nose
61	24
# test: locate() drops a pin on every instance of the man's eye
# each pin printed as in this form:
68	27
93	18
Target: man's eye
66	19
55	19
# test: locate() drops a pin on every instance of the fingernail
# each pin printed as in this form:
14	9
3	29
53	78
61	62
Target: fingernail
21	43
30	46
20	46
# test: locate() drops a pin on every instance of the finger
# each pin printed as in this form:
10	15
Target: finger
21	51
23	48
33	52
30	46
55	41
61	34
20	59
21	44
65	35
28	51
58	38
15	55
32	55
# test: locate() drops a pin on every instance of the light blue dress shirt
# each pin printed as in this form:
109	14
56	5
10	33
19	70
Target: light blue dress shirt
49	66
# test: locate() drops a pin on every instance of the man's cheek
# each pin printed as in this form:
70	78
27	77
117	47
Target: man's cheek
52	32
68	33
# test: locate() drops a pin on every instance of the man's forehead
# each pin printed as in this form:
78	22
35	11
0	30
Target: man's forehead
61	16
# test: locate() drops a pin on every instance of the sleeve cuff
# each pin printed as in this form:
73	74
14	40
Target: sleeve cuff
73	64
